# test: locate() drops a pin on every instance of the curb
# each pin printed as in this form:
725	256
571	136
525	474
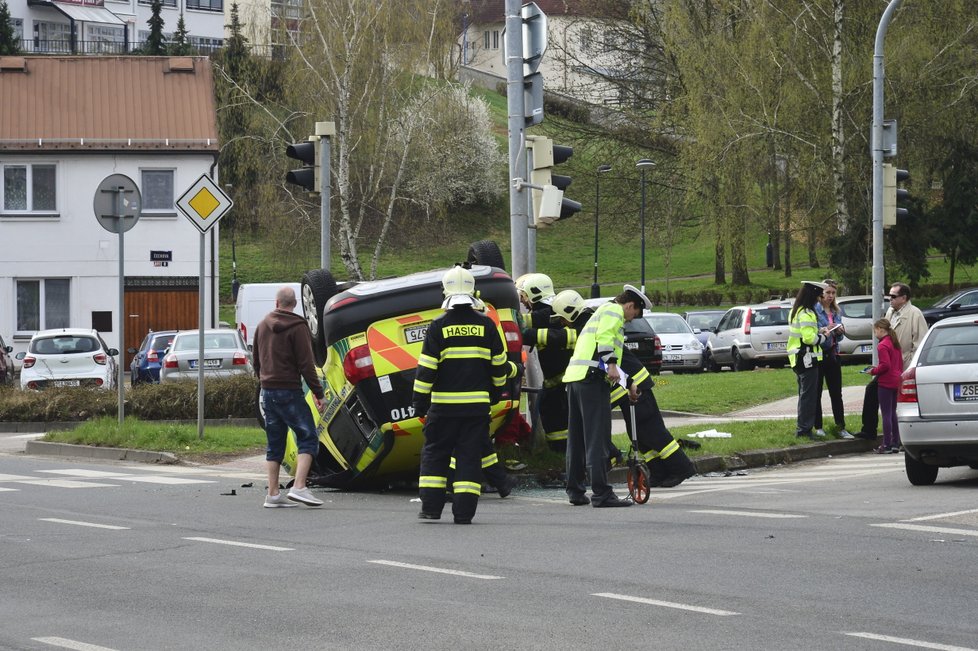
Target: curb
91	452
34	427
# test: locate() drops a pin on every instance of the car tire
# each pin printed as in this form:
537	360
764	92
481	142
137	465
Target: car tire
739	363
318	286
710	364
919	473
486	252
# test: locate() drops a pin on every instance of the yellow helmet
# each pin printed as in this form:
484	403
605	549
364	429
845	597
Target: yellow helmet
568	304
458	284
535	287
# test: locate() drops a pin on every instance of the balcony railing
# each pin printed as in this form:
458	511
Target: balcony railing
61	47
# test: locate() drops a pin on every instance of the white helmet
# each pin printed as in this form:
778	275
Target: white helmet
536	287
568	304
459	287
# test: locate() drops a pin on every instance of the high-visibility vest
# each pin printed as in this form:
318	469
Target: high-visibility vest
599	344
803	329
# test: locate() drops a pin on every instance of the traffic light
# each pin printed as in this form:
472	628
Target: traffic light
549	204
892	194
308	153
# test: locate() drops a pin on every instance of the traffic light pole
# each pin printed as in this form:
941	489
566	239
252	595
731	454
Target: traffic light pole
878	77
518	221
324	130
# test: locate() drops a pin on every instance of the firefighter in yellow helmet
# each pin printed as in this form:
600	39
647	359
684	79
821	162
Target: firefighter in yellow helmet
462	368
590	376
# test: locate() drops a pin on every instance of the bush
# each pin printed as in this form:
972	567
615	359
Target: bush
232	397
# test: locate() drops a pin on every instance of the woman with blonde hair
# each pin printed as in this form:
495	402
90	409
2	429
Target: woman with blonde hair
888	374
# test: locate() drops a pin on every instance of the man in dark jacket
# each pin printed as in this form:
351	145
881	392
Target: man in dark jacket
283	358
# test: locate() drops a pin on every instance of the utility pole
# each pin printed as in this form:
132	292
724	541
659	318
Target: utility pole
878	77
518	220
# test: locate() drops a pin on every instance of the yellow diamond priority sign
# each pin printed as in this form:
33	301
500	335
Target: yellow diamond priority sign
204	203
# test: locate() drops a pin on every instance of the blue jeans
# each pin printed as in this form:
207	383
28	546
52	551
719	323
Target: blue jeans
284	409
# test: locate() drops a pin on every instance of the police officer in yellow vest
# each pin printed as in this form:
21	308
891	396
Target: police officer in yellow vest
461	370
591	373
805	351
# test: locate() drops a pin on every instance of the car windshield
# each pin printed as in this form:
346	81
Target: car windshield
64	345
704	321
956	344
669	324
857	309
212	341
770	316
161	342
944	302
639	327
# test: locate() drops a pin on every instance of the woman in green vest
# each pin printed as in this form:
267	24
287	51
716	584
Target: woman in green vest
805	352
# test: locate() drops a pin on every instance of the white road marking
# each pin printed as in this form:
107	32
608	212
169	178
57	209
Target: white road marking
36	435
665	604
4	490
13	477
751	514
70	644
941	515
235	543
440	570
82	524
66	483
81	472
169	480
908	642
924	528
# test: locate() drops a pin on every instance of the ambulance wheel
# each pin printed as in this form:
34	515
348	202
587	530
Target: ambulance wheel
486	252
318	286
638	482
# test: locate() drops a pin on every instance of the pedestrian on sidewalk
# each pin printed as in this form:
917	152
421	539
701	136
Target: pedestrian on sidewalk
805	351
888	374
283	358
830	367
909	324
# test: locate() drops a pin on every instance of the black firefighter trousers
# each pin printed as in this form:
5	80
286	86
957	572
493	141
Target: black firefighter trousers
444	435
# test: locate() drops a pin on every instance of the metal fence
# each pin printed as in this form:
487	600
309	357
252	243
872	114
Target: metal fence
62	47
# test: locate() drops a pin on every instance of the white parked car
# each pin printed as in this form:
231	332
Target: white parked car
681	348
937	404
68	357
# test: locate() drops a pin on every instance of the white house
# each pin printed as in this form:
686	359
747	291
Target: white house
110	26
67	123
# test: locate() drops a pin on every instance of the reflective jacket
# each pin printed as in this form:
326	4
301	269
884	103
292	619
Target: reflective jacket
599	344
463	365
803	335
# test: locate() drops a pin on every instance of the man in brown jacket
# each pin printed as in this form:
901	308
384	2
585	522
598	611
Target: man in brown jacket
283	358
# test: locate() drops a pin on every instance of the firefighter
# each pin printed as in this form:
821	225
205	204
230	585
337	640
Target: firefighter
592	371
462	368
536	292
668	464
554	340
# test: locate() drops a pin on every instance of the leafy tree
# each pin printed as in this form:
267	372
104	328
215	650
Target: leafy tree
156	41
180	45
954	220
8	41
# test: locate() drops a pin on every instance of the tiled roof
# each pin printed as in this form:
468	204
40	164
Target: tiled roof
107	103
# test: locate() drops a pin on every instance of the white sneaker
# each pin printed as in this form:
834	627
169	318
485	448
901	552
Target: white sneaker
820	433
305	496
844	434
279	501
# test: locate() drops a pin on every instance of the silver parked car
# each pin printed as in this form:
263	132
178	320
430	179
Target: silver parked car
681	350
703	322
857	317
937	404
749	336
225	354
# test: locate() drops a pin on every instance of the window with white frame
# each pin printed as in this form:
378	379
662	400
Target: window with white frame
29	188
157	191
18	25
43	304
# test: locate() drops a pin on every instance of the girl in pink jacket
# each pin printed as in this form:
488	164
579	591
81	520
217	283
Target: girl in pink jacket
888	373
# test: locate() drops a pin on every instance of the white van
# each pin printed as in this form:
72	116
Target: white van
255	300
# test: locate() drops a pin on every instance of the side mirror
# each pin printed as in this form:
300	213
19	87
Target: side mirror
696	331
20	356
955	306
113	351
131	351
9	349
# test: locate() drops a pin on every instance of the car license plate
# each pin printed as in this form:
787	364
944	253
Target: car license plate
208	363
777	345
416	334
66	383
866	348
631	344
965	392
672	358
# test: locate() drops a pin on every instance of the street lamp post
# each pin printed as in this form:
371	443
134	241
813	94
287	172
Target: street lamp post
595	289
643	165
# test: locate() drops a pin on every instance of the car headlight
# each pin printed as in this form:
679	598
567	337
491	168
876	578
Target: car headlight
693	345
